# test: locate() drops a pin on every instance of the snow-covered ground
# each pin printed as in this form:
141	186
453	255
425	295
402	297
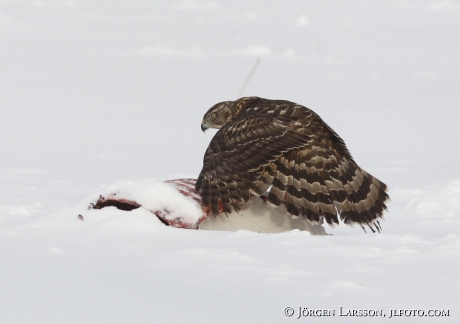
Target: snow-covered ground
93	92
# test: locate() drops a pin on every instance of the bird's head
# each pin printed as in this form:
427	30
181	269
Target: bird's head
222	112
218	115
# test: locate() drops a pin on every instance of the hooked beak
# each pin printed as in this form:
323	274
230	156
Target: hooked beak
203	127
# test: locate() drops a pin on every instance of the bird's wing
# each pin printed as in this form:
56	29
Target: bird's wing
318	181
321	179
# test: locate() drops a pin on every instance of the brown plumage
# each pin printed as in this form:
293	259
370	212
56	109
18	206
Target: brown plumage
288	149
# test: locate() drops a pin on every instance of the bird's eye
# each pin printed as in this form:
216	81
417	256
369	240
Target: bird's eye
213	116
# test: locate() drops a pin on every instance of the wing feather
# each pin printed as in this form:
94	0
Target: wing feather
289	150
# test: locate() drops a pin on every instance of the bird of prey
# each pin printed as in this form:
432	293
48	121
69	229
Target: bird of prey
287	150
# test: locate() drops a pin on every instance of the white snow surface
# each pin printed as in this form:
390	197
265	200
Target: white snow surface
97	91
155	195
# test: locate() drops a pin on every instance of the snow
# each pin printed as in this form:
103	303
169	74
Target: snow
152	194
96	92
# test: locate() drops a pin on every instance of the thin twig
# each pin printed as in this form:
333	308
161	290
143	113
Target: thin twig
250	76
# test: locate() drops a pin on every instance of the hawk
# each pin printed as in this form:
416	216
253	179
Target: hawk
288	150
